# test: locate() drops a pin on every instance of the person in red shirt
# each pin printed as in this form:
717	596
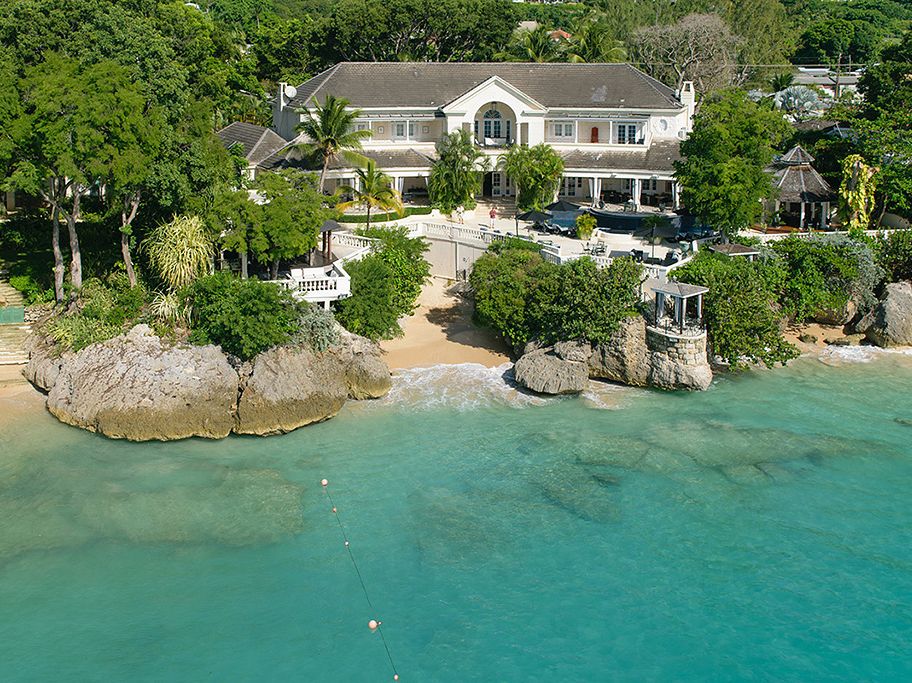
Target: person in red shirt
492	214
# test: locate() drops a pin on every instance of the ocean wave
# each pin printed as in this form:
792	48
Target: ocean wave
467	386
464	386
833	355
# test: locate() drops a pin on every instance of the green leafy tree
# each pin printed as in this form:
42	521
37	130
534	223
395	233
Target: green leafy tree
856	192
373	192
456	174
370	310
838	41
292	215
537	172
722	172
244	317
740	310
240	224
419	30
894	255
404	256
330	130
81	126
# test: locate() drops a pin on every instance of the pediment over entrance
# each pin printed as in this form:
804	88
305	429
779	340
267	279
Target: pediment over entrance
494	89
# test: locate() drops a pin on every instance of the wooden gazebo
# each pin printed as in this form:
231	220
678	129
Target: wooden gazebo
687	305
803	196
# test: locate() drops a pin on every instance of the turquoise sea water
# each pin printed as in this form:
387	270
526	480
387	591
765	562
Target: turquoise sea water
759	531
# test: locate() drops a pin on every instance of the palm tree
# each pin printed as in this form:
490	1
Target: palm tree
536	45
594	41
180	251
781	81
330	129
373	192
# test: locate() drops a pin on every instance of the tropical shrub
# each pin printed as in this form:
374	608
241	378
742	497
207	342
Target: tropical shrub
822	272
316	328
585	225
894	255
32	291
740	310
456	175
525	298
404	256
103	310
370	310
244	317
180	251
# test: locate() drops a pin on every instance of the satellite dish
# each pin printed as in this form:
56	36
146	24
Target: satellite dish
291	91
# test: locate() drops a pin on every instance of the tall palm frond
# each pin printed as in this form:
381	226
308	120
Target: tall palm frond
331	134
594	41
180	251
373	191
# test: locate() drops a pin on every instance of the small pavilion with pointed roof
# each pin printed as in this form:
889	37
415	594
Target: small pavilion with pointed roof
803	197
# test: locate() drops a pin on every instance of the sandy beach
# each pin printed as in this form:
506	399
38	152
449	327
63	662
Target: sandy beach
441	331
18	398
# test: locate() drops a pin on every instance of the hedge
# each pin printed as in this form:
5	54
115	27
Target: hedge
383	217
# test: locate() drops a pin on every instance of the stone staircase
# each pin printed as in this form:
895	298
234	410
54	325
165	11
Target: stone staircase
12	335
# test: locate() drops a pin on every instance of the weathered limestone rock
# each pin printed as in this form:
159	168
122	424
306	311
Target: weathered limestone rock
546	373
137	387
43	367
837	316
635	355
289	388
890	323
134	387
625	357
366	374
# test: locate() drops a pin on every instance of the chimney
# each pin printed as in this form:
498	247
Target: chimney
280	98
688	98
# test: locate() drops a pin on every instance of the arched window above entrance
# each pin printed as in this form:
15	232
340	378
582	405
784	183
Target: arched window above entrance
492	124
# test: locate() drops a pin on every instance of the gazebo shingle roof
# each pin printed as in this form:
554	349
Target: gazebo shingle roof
434	84
797	181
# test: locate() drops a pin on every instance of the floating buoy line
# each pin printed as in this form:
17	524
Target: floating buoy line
375	625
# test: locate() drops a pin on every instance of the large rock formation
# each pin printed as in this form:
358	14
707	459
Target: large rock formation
635	355
138	387
135	387
890	322
291	387
544	372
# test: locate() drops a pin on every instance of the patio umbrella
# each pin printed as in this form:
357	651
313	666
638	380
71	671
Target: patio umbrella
563	205
533	217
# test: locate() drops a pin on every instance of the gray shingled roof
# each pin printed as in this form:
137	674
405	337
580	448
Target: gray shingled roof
434	84
258	142
659	156
679	289
385	159
797	155
798	181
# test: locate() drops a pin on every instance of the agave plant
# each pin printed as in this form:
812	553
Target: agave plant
180	251
797	101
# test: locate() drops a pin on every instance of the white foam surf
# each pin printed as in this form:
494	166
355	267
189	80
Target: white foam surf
834	355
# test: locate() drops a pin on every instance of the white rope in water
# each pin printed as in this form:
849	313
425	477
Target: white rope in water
373	624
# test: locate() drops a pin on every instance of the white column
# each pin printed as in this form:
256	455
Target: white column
399	183
675	195
801	218
635	192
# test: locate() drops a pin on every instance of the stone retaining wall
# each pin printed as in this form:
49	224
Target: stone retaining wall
686	350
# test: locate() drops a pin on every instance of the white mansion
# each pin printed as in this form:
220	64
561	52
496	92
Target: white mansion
617	129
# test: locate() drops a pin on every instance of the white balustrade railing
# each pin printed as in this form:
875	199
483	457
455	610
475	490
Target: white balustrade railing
350	239
765	237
